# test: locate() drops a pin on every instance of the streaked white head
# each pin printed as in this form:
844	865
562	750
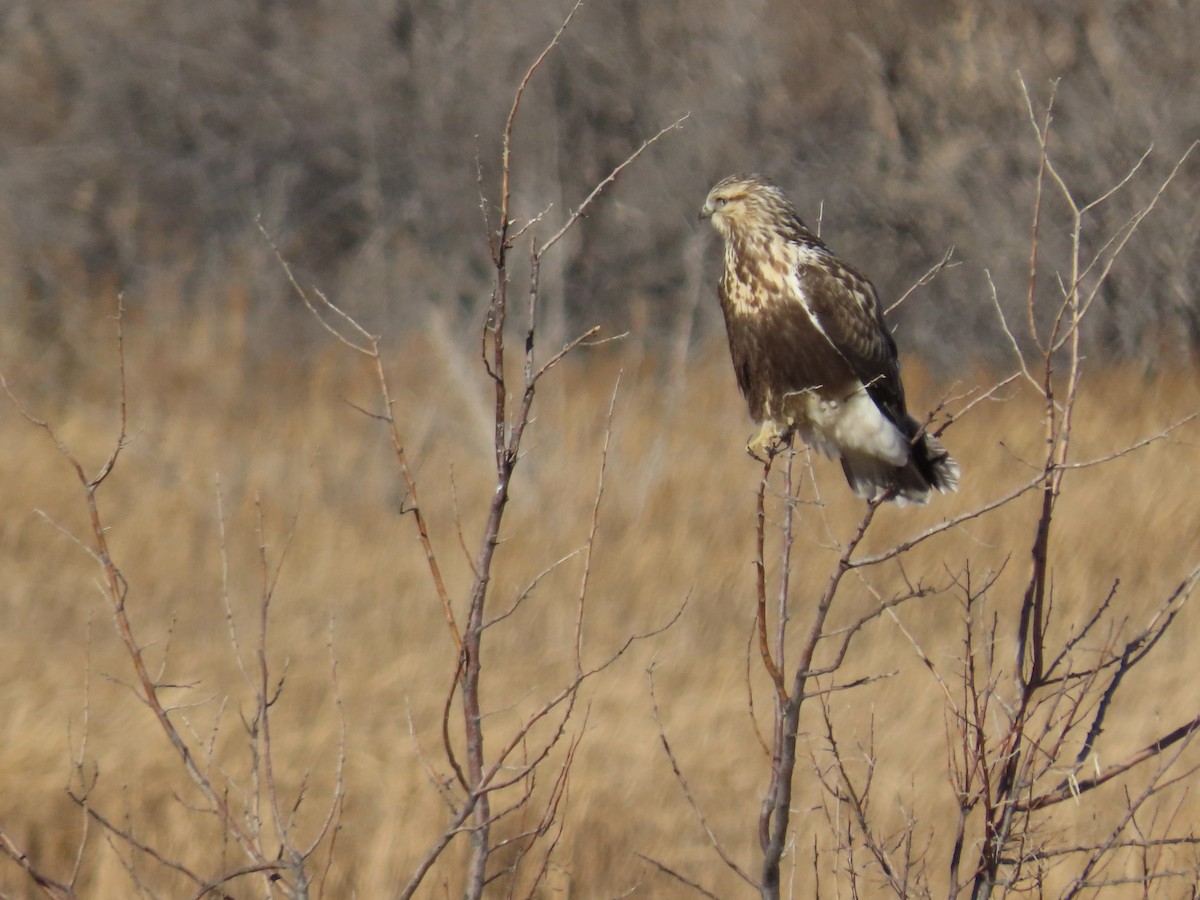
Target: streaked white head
742	202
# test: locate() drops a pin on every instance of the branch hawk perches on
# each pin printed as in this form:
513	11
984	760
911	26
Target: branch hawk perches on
811	351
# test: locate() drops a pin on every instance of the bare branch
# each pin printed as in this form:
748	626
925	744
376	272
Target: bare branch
685	881
946	262
609	179
50	887
687	791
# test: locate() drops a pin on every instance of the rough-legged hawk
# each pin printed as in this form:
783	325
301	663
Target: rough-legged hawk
811	351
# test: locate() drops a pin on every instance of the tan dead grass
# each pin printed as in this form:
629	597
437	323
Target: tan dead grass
676	525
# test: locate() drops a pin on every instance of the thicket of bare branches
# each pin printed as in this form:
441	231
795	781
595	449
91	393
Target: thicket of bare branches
1030	697
480	786
142	143
237	802
485	776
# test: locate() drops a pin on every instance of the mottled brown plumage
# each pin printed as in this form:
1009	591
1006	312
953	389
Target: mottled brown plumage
811	351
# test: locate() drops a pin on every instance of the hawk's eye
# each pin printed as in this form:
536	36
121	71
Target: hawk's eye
720	201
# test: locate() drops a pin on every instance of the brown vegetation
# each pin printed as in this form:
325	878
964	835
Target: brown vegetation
587	659
142	141
678	525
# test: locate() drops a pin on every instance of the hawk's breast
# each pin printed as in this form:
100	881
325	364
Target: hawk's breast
780	355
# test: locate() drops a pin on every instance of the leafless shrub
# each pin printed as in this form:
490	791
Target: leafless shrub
486	776
256	816
480	787
1029	695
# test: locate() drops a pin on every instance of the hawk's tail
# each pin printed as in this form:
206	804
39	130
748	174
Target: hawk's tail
929	468
937	467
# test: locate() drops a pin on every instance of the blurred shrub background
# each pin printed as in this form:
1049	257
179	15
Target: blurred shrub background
142	139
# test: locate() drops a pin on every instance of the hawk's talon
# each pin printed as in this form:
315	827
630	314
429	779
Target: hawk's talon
769	443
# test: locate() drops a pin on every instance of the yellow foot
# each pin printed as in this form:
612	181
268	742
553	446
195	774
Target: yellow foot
771	440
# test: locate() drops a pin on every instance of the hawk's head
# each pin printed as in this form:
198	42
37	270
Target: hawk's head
742	203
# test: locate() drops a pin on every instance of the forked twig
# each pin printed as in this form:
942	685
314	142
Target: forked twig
682	781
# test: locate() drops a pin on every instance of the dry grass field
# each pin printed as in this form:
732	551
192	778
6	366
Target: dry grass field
227	455
248	620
